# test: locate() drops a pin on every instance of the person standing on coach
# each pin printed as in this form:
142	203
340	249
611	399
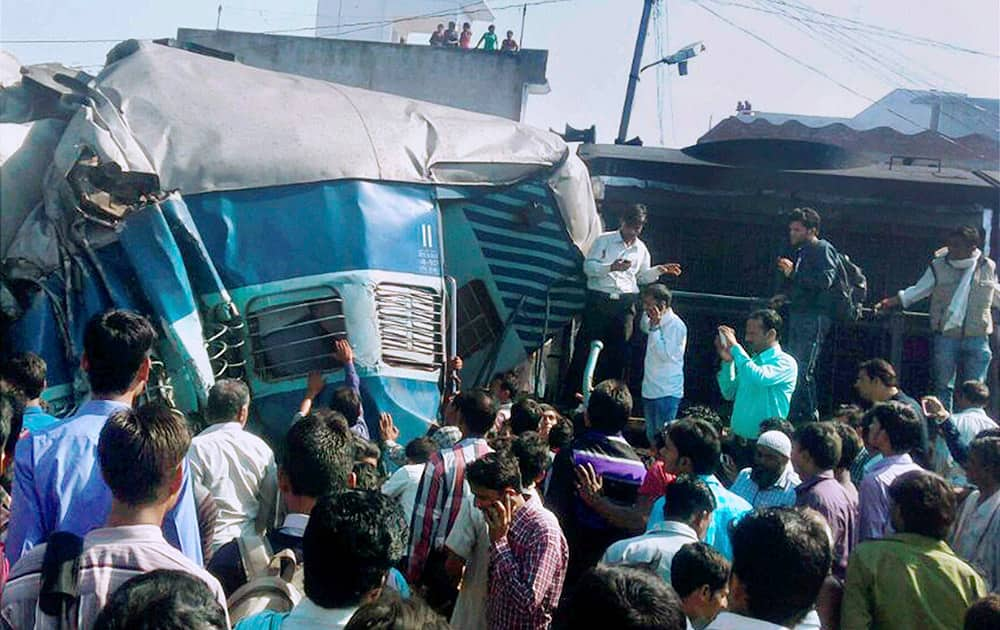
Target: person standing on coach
617	264
809	280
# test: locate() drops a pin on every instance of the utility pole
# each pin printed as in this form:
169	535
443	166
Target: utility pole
218	18
633	77
524	14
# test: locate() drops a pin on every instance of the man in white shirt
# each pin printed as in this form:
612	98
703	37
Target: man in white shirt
976	536
663	371
236	466
780	560
618	262
957	430
349	548
687	513
141	455
403	483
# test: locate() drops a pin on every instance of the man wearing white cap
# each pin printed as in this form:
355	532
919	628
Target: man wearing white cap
771	481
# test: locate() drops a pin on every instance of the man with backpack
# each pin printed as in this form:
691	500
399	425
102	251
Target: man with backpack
810	281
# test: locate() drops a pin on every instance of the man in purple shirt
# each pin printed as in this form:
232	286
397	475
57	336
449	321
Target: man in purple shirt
894	431
57	480
815	452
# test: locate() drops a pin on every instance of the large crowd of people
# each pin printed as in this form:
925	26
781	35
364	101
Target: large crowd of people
512	513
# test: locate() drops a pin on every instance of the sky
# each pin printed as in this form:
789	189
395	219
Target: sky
590	45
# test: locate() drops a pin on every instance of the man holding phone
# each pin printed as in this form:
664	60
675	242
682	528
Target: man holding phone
528	552
618	262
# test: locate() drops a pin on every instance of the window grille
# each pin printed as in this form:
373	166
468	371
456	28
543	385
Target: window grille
290	340
409	320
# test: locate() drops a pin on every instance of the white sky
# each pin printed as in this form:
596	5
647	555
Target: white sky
590	48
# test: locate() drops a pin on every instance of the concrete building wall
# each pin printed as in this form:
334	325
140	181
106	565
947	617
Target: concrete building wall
475	80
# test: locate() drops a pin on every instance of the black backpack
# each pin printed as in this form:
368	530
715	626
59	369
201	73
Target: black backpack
850	289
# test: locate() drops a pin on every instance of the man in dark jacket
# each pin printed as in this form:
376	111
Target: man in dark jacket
809	283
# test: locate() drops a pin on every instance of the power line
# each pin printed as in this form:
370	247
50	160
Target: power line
856	25
823	74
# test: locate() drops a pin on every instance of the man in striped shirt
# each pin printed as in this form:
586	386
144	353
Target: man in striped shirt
771	481
443	486
141	455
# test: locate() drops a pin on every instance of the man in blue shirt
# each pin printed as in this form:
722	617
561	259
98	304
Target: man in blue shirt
692	447
57	480
25	372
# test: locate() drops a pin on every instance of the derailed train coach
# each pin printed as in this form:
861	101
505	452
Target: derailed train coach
259	216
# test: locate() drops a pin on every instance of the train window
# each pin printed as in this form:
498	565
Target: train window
292	338
479	324
409	321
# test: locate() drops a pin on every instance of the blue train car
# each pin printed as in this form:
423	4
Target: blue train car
259	216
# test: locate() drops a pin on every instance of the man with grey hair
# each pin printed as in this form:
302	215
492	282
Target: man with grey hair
234	465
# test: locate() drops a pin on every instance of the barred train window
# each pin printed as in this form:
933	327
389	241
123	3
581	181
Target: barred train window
478	322
293	338
409	321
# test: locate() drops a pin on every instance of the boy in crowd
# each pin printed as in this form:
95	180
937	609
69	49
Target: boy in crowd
700	575
25	372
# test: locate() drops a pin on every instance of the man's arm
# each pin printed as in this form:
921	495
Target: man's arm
594	265
268	504
26	528
726	378
631	518
922	289
784	371
343	352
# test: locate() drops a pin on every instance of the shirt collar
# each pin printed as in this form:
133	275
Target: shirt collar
33	410
307	614
230	427
731	621
125	534
295	524
674	527
893	460
808	484
770	352
100	408
919	540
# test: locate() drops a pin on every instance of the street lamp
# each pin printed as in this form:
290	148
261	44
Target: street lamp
680	58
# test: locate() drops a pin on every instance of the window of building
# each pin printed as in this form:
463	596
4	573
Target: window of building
479	324
293	334
409	321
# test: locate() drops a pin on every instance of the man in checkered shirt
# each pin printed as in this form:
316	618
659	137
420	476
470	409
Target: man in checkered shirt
528	552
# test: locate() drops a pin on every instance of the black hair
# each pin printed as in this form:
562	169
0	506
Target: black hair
624	598
140	450
703	412
966	234
561	434
984	614
976	392
695	565
11	421
659	293
419	450
116	343
808	217
508	383
348	547
685	497
609	406
346	401
782	559
926	503
364	449
318	454
880	369
25	371
392	612
633	215
987	450
899	421
367	476
769	319
851	413
532	453
164	599
778	424
225	400
477	410
850	445
697	440
525	415
822	442
498	470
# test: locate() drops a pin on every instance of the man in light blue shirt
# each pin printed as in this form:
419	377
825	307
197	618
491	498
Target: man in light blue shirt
57	479
692	447
771	481
760	385
25	372
688	512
